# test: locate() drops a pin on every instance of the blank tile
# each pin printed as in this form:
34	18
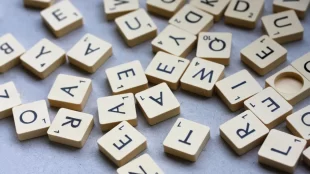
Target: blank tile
192	20
243	132
283	27
71	128
89	53
302	65
122	143
10	51
235	89
299	6
114	109
127	78
158	103
136	27
70	92
166	68
31	120
281	151
269	106
43	58
306	156
62	18
215	47
116	8
165	8
9	98
186	139
41	4
174	41
201	76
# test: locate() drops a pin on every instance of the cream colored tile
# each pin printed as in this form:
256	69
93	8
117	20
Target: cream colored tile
9	98
89	53
116	8
201	76
289	83
41	4
10	51
306	156
192	20
122	143
235	89
215	47
281	151
165	8
142	164
70	92
71	128
186	139
244	132
299	6
158	103
43	58
114	109
167	68
283	27
127	78
62	18
269	107
302	65
136	27
244	13
31	120
174	41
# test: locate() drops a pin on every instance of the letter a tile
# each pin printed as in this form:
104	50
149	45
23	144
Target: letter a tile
165	8
116	8
9	98
299	6
303	65
41	4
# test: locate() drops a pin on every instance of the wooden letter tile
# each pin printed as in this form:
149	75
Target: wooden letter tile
303	65
122	143
158	103
235	89
306	156
165	8
299	6
90	53
186	139
281	151
70	92
71	128
116	8
136	27
31	120
41	4
201	76
9	98
166	68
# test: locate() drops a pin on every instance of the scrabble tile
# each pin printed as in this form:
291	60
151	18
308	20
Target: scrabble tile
89	53
116	8
70	92
142	164
215	47
244	13
192	20
127	78
10	51
165	8
269	106
122	143
136	27
302	65
235	89
289	83
71	128
31	120
174	41
306	156
263	55
166	68
201	76
62	18
41	4
299	6
281	151
186	139
214	7
158	103
243	132
9	98
299	123
43	58
114	109
283	27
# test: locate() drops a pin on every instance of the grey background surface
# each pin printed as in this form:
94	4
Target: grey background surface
39	155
